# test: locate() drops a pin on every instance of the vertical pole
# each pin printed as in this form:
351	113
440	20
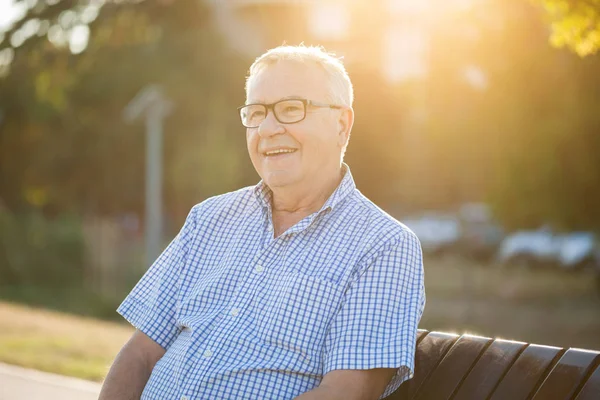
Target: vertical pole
153	184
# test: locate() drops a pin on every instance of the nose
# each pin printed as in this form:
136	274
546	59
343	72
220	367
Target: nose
270	126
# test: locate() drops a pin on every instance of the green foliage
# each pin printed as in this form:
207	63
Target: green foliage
35	250
575	24
526	143
64	144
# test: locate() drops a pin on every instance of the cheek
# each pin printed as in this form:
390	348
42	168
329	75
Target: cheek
327	140
251	141
315	135
318	149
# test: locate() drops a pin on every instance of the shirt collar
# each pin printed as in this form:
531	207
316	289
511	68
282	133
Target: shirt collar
264	194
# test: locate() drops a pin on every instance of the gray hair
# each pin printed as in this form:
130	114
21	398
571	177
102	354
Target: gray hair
341	91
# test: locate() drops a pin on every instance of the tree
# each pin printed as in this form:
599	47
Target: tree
528	143
63	143
575	24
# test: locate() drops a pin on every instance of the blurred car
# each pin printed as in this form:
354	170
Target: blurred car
481	234
542	247
438	232
578	250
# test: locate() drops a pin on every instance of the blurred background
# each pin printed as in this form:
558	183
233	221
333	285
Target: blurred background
477	125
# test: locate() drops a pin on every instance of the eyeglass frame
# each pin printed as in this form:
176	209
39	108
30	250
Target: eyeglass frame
271	106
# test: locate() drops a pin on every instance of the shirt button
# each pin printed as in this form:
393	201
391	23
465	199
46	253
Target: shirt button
208	354
185	398
270	228
259	268
235	312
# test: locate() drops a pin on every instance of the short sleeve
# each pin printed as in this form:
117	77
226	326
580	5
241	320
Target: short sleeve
376	326
150	306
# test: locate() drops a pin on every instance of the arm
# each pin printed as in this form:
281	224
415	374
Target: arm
376	327
351	385
151	308
132	368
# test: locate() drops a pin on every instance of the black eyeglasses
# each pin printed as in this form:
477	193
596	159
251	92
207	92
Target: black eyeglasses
285	111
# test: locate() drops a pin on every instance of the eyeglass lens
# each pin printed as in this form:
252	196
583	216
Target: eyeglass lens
286	111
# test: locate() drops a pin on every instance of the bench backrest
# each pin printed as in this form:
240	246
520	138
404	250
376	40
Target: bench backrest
456	367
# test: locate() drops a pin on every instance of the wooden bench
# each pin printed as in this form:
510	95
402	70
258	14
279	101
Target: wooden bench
476	368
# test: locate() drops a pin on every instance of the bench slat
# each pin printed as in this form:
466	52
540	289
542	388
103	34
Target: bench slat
526	373
449	367
453	368
421	333
430	350
591	389
567	375
489	369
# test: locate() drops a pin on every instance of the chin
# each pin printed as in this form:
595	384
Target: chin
280	179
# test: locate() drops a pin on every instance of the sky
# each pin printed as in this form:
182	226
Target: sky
8	13
76	38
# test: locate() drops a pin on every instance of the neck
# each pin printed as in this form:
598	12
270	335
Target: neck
306	200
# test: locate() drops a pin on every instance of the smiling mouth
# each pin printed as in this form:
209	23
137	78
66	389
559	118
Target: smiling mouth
279	152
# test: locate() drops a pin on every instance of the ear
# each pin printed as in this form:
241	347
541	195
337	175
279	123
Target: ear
345	123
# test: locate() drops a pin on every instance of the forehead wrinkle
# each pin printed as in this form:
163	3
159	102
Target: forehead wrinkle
301	76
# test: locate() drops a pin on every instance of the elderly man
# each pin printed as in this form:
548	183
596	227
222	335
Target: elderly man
296	288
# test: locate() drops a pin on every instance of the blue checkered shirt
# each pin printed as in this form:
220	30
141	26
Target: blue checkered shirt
244	315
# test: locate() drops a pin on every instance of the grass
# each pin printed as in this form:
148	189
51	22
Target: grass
59	343
544	306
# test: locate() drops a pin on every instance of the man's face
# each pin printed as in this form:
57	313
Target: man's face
315	143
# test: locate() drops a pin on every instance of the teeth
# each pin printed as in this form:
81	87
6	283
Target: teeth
280	151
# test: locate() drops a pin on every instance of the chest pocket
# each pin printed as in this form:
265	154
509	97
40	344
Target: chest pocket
296	313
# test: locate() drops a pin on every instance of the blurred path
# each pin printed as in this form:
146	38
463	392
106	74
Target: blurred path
18	383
